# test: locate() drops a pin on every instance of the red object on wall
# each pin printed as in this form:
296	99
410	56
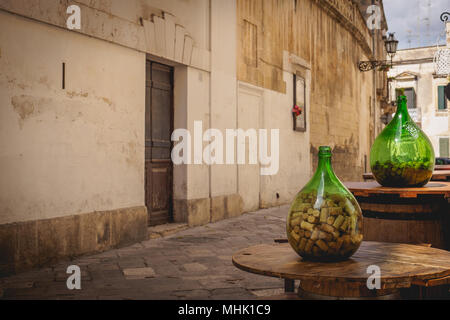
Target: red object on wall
297	110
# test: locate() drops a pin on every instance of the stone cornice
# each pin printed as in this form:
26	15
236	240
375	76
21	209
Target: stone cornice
148	36
347	14
413	61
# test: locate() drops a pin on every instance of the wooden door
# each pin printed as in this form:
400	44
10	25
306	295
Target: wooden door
158	145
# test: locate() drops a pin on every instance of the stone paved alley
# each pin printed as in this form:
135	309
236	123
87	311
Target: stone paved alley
191	264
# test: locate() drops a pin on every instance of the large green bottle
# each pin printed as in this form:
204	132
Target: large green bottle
402	155
325	220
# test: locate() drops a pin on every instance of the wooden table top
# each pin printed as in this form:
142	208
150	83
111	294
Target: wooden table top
368	188
442	167
438	175
400	264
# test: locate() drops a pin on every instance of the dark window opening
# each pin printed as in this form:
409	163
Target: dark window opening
410	96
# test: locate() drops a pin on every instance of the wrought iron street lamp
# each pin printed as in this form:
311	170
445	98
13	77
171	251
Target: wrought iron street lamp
391	48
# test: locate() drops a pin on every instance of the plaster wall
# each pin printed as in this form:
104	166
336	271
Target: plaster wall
73	150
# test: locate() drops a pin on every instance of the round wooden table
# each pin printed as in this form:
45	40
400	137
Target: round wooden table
405	215
438	175
400	266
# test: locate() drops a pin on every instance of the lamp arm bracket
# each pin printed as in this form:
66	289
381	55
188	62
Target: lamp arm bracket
372	64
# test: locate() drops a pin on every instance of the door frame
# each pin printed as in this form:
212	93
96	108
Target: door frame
152	61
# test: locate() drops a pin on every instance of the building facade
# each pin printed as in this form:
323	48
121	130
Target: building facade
414	71
88	115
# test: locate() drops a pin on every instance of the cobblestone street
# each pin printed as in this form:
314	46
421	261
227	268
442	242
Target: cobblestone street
192	264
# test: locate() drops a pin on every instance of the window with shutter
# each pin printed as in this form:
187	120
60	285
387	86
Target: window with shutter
444	147
442	99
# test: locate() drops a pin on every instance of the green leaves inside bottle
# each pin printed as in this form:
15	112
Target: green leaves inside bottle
402	155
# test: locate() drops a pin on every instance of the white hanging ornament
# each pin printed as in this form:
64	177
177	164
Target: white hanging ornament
442	55
442	61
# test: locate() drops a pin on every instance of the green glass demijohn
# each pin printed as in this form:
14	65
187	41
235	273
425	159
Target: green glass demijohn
402	155
325	220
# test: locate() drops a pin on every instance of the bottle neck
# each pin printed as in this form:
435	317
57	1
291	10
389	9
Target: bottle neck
402	109
324	165
324	177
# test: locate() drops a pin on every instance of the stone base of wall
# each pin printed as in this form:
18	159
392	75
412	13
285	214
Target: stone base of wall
202	211
224	207
26	245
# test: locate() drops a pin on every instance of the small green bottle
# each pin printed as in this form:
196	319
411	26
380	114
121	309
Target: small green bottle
402	155
325	220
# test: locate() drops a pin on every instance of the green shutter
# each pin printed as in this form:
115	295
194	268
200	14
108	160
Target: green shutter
443	147
442	100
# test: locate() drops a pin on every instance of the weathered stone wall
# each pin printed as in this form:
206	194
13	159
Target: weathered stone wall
38	243
332	37
73	150
174	30
67	154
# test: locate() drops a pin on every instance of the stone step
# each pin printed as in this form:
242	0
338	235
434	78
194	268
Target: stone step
165	230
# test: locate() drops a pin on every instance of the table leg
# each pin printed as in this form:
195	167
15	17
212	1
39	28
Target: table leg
289	285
